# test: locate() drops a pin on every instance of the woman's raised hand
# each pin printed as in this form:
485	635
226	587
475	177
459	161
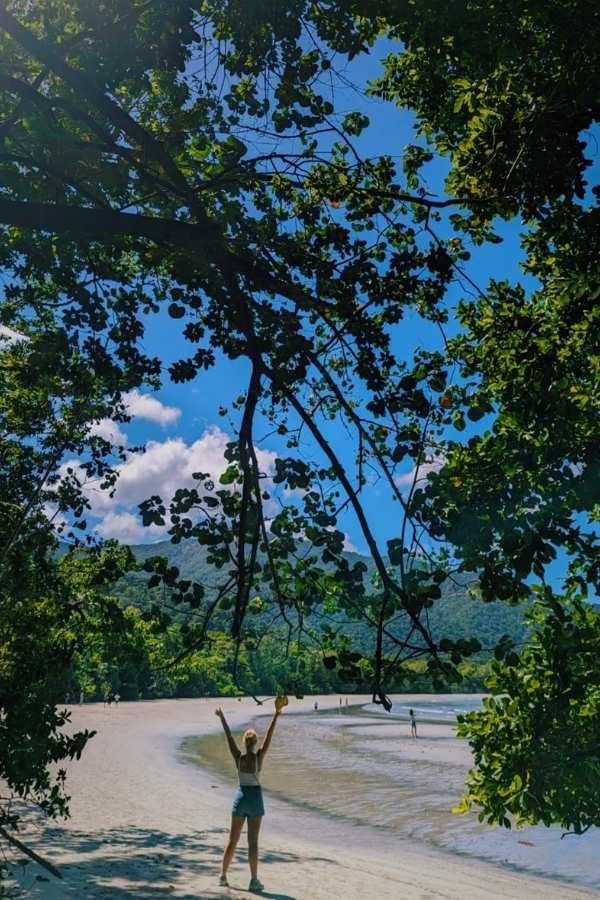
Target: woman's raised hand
219	713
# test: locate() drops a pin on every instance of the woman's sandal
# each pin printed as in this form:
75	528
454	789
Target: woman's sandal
223	880
255	885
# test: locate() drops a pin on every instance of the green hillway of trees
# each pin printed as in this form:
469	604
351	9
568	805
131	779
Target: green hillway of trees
137	666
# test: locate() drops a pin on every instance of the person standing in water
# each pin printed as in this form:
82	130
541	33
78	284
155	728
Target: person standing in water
248	801
413	723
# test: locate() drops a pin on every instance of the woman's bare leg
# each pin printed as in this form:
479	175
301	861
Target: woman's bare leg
254	824
237	823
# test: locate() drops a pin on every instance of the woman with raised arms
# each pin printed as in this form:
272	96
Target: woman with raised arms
248	801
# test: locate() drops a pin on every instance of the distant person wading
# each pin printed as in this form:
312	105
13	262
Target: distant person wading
413	723
248	801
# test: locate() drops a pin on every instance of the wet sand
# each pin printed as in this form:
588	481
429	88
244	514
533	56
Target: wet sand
146	823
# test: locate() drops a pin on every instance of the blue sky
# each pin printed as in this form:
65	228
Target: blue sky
183	431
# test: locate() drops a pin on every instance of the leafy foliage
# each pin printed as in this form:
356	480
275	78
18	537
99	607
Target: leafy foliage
536	744
50	394
57	609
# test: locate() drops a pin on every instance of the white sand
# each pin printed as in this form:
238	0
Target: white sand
145	825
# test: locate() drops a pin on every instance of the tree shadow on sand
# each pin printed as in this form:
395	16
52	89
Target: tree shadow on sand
144	864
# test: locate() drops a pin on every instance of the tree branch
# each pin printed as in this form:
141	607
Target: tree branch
30	853
86	89
102	222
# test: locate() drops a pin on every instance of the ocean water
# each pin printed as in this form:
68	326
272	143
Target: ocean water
355	765
429	710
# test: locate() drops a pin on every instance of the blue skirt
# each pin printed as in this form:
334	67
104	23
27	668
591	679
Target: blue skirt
248	801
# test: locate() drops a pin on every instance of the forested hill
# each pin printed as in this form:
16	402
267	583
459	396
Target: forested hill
455	616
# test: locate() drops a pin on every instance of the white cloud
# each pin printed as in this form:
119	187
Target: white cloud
430	464
146	406
139	406
349	547
110	431
8	337
162	468
128	528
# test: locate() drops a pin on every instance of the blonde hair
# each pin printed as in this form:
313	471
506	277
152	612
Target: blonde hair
250	738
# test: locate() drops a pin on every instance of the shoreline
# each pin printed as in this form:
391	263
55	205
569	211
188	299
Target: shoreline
147	824
405	805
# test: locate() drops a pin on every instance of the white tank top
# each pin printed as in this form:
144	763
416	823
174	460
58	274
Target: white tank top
249	779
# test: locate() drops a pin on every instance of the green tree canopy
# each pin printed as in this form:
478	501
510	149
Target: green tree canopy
189	157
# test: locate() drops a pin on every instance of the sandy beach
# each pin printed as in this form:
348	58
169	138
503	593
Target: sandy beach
146	823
